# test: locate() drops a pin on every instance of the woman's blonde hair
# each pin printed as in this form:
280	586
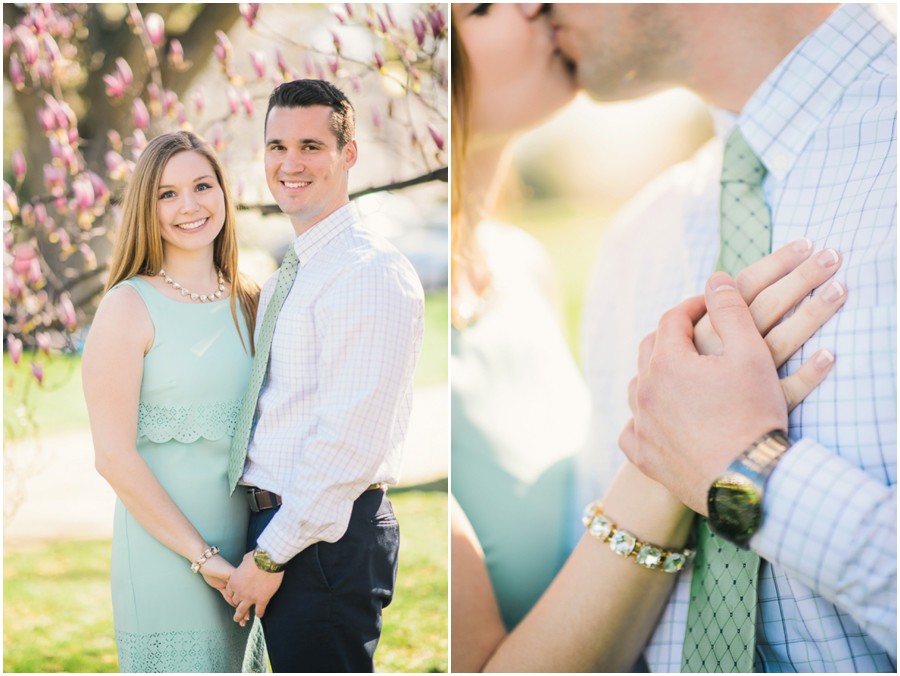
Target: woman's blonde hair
139	245
459	114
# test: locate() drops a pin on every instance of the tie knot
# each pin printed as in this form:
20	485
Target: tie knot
740	163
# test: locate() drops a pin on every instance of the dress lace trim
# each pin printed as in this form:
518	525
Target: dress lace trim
214	651
186	424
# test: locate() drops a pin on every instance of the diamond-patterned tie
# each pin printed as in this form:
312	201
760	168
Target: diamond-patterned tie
241	439
721	622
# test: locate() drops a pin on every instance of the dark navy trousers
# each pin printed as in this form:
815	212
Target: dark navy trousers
326	616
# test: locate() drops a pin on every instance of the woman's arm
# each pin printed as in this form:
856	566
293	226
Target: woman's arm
598	612
112	367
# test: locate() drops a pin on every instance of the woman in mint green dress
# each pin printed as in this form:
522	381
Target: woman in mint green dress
165	367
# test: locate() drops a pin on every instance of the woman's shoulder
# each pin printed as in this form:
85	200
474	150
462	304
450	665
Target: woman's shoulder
122	306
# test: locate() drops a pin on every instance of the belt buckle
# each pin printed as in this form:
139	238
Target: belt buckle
251	498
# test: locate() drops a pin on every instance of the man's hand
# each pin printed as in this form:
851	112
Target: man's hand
250	586
694	414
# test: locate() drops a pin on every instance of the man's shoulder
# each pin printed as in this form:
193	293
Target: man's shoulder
367	259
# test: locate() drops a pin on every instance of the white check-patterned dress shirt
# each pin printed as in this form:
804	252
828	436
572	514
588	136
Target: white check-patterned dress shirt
334	409
824	124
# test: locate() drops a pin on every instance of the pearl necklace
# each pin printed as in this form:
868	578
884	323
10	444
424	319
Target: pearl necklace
202	298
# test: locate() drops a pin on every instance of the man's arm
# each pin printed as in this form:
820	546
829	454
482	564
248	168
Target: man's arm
826	522
370	324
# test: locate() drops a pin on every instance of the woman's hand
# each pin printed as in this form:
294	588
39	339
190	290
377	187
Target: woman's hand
772	287
216	572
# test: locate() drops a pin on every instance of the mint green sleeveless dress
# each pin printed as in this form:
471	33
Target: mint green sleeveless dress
519	413
167	619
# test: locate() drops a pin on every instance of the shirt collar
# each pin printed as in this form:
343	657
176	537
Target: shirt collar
784	112
317	237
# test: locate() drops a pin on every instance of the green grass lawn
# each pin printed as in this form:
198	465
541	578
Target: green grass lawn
432	366
57	613
53	407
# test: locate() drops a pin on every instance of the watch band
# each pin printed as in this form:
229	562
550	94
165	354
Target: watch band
735	499
264	563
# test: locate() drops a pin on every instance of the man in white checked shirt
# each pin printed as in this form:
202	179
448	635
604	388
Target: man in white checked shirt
332	414
813	90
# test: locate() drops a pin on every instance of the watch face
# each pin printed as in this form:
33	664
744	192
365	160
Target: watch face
735	508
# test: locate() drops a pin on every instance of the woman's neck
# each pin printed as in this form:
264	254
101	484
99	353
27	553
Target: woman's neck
192	269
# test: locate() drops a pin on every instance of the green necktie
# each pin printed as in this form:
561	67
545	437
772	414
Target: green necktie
241	439
721	621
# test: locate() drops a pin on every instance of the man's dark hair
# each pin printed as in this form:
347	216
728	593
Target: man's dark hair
306	93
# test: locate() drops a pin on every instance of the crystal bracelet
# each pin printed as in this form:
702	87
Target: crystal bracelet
204	557
626	544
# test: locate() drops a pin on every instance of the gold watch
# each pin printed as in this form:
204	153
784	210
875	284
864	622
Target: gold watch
263	562
735	498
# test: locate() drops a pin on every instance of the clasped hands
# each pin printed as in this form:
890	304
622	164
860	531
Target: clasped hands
242	587
707	383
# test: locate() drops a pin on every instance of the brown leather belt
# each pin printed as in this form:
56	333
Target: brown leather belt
261	500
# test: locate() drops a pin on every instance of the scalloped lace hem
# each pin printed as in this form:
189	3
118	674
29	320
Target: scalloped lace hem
186	424
213	651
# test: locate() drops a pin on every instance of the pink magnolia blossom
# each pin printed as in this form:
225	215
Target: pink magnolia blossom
156	29
418	25
436	19
181	116
115	139
19	166
37	370
67	312
10	200
29	45
138	143
376	118
199	100
379	60
247	102
83	190
40	213
233	101
28	215
24	259
176	54
12	285
87	253
249	12
436	136
115	88
47	119
336	40
333	63
349	8
258	60
43	342
140	114
170	100
16	72
387	10
51	49
14	346
281	63
223	47
382	24
101	190
125	74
